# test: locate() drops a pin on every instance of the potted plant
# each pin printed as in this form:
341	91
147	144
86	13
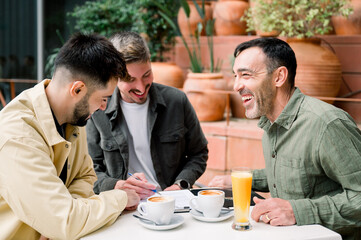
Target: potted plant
201	81
302	22
161	39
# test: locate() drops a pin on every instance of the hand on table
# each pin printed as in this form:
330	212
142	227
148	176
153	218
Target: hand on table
275	211
221	181
133	199
142	187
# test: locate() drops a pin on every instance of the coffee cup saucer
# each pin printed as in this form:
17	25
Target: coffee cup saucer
176	221
199	216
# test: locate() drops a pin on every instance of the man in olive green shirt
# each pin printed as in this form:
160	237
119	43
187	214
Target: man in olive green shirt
312	149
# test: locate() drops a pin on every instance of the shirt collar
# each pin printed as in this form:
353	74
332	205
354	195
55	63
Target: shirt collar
288	115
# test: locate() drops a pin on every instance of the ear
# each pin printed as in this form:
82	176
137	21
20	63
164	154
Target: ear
281	76
77	88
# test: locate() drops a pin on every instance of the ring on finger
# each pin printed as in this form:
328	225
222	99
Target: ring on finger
266	216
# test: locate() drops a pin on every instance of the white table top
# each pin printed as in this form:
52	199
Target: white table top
128	227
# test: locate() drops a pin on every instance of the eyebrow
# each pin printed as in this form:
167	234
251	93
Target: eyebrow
245	70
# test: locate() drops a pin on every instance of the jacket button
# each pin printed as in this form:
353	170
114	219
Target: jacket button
66	145
274	185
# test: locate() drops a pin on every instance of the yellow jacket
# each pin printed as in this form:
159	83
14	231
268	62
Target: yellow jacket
33	199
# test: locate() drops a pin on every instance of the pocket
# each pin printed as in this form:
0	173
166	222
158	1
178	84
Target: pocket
174	135
293	178
171	147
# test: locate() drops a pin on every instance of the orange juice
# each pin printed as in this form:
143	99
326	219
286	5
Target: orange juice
241	188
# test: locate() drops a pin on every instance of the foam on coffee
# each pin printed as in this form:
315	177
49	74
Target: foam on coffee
158	199
210	192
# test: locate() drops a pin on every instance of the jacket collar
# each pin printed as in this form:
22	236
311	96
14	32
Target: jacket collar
43	113
288	115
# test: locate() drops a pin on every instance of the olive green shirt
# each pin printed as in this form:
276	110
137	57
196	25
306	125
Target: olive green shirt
313	159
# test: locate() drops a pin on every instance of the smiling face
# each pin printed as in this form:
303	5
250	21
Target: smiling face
137	89
254	83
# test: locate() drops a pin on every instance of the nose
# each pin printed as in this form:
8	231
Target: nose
139	85
238	85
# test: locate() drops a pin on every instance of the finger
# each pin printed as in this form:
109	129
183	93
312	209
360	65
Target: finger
140	184
257	212
266	218
257	200
141	176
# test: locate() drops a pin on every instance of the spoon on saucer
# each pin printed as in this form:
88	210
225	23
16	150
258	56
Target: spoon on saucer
146	219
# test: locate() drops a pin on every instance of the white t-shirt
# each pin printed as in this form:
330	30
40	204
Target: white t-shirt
140	159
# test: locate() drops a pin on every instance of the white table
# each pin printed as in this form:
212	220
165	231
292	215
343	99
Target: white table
128	227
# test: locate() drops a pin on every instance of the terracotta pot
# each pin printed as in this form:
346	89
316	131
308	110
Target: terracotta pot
227	16
350	25
318	69
208	106
188	26
168	74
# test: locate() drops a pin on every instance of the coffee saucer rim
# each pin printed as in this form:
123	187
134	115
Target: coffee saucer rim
176	219
200	217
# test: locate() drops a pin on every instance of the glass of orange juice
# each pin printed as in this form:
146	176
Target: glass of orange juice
241	191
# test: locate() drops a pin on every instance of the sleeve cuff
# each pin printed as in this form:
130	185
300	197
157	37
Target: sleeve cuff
303	211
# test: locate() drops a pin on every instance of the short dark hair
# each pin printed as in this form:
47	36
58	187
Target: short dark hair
93	58
278	54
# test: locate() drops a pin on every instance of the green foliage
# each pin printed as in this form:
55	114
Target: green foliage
105	16
159	35
295	18
194	51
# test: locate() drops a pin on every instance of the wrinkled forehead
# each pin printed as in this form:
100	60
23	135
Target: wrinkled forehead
251	58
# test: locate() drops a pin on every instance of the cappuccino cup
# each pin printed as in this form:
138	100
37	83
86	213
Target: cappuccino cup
209	202
159	209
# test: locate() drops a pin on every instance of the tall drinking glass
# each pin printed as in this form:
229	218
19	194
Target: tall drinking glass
241	190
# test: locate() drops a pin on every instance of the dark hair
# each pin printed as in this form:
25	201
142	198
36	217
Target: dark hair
92	58
133	47
278	54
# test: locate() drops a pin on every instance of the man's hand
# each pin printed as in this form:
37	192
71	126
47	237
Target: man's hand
221	181
275	211
172	188
133	199
142	187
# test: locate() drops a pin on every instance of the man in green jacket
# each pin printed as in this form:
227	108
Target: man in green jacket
312	149
46	174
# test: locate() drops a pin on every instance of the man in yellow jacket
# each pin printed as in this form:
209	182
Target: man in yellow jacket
46	174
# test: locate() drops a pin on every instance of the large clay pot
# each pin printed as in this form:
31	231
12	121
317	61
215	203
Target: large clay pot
350	25
227	16
168	74
318	68
188	26
208	106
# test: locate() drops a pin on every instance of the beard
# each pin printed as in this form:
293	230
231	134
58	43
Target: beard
81	112
264	97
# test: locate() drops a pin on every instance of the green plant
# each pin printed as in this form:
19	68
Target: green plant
159	35
194	51
105	16
295	18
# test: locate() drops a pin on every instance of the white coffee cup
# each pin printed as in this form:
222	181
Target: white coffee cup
159	209
209	202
